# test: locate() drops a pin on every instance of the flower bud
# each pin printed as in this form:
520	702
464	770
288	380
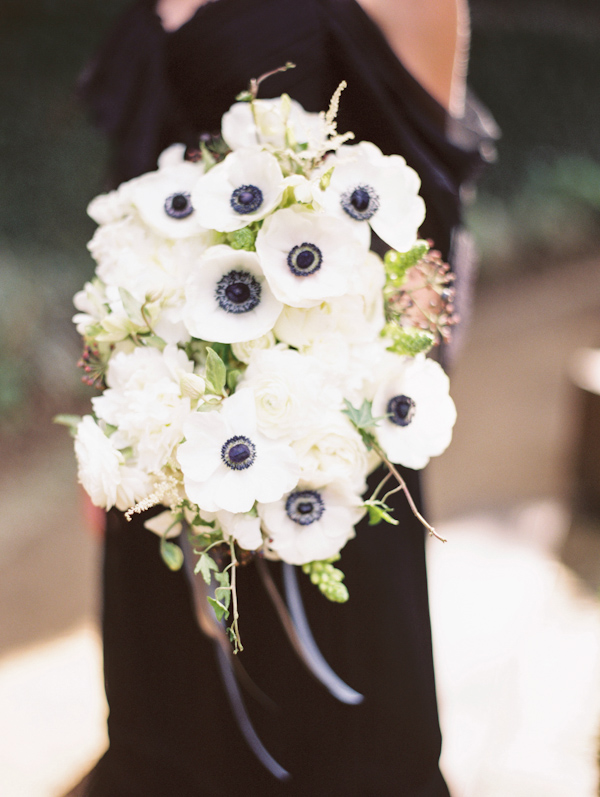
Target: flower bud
192	385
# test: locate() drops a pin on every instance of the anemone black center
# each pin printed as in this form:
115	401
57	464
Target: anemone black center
304	259
361	202
238	453
246	199
305	507
179	205
360	199
238	292
401	410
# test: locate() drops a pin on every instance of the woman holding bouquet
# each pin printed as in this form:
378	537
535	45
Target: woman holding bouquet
167	74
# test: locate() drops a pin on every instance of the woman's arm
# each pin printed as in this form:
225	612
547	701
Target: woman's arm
431	38
174	13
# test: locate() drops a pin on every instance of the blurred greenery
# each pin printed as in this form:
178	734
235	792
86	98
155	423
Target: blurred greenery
537	66
535	63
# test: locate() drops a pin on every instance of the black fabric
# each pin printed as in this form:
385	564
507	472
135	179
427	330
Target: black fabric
171	728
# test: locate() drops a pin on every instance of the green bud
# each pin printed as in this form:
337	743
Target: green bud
242	239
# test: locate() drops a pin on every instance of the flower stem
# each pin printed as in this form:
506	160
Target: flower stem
402	485
234	601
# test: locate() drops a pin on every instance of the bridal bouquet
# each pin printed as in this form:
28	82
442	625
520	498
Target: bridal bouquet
256	360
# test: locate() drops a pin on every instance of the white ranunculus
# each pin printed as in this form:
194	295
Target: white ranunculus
98	463
131	256
144	402
243	188
241	127
369	188
309	524
419	412
291	391
102	470
244	349
308	257
228	298
110	207
333	451
228	464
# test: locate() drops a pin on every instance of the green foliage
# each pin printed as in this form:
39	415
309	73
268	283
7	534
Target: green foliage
328	579
70	421
408	340
397	263
171	553
233	377
378	511
216	373
243	239
362	417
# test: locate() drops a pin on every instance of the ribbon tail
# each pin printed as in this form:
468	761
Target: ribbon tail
310	652
214	630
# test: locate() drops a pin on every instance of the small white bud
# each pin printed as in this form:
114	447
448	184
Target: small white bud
192	386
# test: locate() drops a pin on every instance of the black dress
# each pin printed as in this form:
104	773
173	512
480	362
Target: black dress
171	728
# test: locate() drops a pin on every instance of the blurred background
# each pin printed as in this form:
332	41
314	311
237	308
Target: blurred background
515	591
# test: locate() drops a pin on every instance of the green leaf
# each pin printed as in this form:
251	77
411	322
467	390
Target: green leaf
223	596
216	373
379	511
408	340
132	307
244	96
71	421
233	377
220	610
361	417
171	553
153	340
205	565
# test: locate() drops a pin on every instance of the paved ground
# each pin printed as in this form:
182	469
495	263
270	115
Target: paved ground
517	632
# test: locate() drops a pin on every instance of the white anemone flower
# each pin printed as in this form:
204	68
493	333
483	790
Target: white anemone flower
369	188
308	257
419	413
244	188
228	298
228	464
163	197
241	127
309	524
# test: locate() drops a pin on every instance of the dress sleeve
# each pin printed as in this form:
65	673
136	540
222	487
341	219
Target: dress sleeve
125	90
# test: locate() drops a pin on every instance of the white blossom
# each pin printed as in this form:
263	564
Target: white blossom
228	464
309	524
245	187
417	409
228	298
